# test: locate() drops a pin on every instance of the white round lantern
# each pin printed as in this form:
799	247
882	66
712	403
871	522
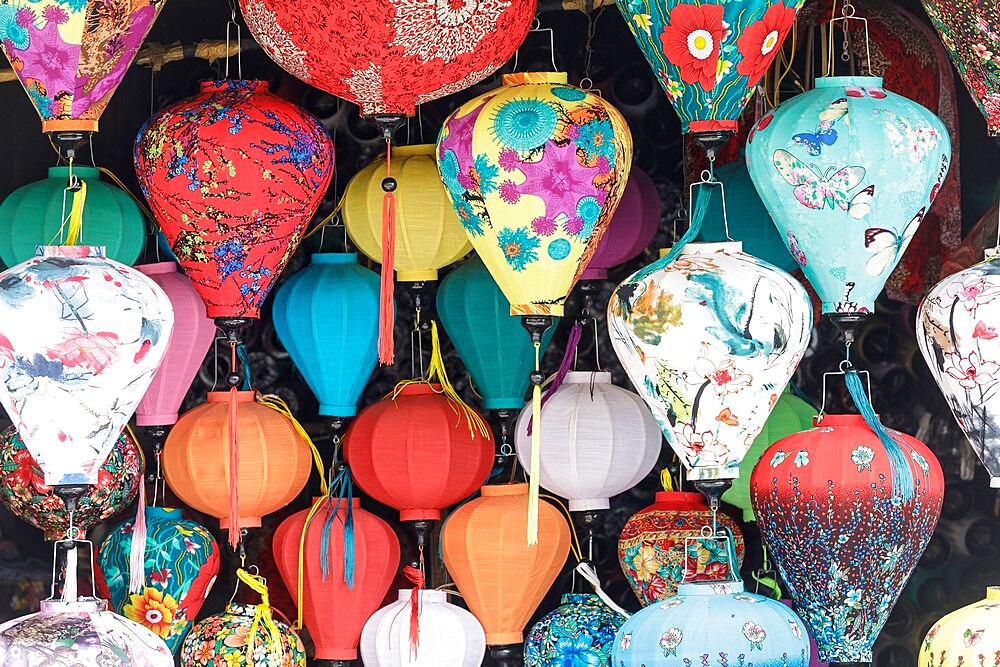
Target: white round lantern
449	635
597	440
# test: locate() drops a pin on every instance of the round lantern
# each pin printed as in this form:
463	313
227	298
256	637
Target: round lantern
580	631
708	340
490	341
428	233
24	492
847	171
334	612
501	578
631	229
33	214
828	492
597	440
713	623
181	563
449	636
191	339
966	636
80	339
80	632
234	175
956	331
654	541
225	639
274	461
413	451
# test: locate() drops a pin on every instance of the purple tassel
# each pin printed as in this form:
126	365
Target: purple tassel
571	344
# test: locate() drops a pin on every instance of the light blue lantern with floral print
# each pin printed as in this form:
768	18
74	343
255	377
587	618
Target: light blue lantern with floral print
578	633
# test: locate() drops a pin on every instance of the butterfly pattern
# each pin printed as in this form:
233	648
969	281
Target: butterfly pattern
888	245
825	134
814	190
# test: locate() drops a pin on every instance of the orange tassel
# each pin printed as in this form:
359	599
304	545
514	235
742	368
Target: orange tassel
234	465
387	305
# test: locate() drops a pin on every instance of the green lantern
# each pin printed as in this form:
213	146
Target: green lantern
32	214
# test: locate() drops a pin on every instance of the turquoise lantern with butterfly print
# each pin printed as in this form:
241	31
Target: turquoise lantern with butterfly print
847	171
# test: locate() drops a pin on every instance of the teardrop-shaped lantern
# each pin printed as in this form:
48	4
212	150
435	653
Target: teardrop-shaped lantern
848	171
709	340
580	631
966	636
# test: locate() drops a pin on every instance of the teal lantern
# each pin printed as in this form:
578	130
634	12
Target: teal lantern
32	215
848	171
579	632
326	316
491	342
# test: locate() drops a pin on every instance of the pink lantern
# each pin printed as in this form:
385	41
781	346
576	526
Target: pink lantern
631	229
193	335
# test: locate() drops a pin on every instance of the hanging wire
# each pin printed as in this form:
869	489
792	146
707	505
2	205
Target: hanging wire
536	26
230	26
587	83
847	14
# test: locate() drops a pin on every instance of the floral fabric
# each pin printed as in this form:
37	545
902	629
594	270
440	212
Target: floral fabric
578	633
224	640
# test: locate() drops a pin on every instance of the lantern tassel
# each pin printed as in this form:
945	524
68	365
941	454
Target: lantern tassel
233	525
902	474
262	619
74	231
699	209
416	577
571	344
536	455
137	550
586	570
341	484
387	305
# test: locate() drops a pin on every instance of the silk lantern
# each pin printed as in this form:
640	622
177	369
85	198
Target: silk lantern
235	637
957	335
489	340
80	339
191	339
966	636
713	621
326	316
848	171
707	340
597	440
234	175
33	214
449	636
334	612
829	492
500	576
580	631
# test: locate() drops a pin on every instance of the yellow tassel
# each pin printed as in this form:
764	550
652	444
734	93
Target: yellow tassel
277	404
302	561
536	455
262	617
75	228
667	480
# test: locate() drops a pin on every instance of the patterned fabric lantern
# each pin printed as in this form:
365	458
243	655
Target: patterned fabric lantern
654	542
847	171
449	636
192	337
501	577
32	215
80	337
580	631
598	440
490	341
717	622
234	175
956	331
829	492
180	565
80	632
631	229
326	316
226	639
708	340
24	492
334	612
410	452
966	636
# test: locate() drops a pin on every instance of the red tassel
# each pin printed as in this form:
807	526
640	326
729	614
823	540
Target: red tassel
416	576
387	305
234	466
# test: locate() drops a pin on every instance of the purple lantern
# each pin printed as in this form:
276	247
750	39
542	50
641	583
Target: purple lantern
631	228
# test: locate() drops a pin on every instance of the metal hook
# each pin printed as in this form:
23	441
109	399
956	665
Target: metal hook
845	367
847	15
239	46
708	181
536	26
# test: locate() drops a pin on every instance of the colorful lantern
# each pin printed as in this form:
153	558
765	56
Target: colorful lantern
580	631
848	171
830	492
335	612
326	316
24	492
235	638
191	339
449	636
708	340
957	336
966	636
32	215
181	562
500	576
490	341
598	440
717	622
655	541
234	175
80	337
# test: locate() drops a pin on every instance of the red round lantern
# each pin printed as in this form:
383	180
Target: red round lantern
416	452
335	613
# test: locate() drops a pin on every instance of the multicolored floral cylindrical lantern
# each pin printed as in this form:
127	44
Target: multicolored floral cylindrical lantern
580	631
225	639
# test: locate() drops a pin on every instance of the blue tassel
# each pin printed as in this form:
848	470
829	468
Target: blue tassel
903	486
343	489
241	352
697	216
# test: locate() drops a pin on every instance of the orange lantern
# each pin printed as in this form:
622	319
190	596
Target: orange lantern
501	578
